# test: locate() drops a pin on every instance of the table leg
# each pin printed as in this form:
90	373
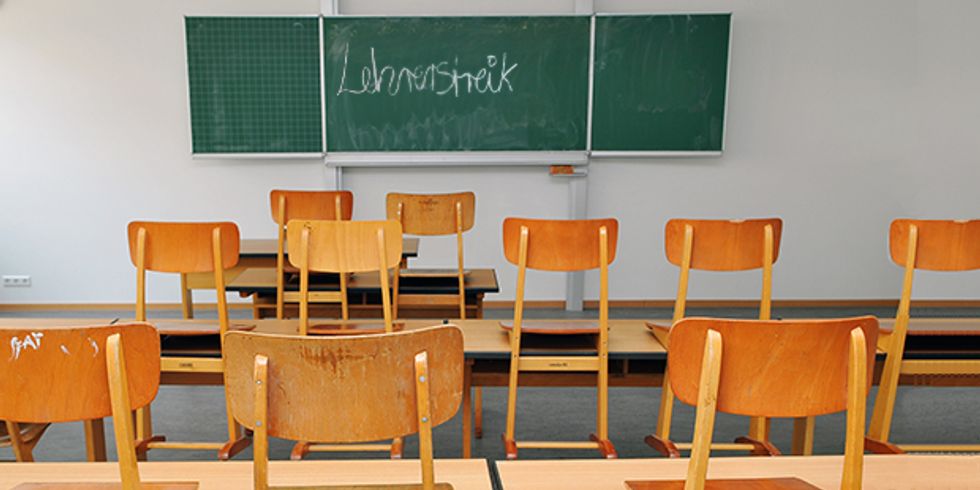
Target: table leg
467	409
94	440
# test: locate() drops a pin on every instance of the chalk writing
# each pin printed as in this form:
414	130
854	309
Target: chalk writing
32	340
65	350
439	77
95	346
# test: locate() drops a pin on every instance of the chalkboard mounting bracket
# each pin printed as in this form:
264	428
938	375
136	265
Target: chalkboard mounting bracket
456	158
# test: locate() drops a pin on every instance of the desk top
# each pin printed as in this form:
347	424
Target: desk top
262	280
471	474
267	247
880	472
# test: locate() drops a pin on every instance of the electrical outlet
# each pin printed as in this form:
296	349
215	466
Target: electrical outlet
16	281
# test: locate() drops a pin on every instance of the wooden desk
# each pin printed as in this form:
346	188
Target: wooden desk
256	252
470	474
364	294
880	472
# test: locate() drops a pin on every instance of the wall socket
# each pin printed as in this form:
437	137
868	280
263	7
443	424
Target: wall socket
16	281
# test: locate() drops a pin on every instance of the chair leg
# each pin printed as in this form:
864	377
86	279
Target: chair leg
300	450
94	440
510	445
803	436
665	447
236	442
22	449
660	440
478	412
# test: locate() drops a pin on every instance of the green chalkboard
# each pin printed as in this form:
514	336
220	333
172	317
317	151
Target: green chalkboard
660	82
456	83
254	84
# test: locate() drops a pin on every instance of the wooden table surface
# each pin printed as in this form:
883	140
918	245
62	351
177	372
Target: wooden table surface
472	474
880	472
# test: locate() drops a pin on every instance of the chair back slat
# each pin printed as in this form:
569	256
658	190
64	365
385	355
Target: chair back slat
771	368
943	245
309	205
183	247
344	246
345	389
722	245
431	214
58	374
559	245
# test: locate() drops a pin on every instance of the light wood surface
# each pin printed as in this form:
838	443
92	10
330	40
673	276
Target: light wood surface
463	474
904	472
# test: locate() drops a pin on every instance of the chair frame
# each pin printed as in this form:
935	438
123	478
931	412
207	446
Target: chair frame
302	448
895	366
598	363
707	396
424	421
758	436
279	209
396	203
237	440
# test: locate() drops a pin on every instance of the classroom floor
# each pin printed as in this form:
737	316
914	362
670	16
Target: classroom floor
922	414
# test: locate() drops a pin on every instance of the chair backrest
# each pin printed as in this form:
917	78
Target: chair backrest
432	214
183	247
722	245
941	245
771	368
345	246
560	245
311	205
58	374
345	389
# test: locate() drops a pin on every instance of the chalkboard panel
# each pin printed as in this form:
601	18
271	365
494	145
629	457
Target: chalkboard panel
254	84
456	83
660	82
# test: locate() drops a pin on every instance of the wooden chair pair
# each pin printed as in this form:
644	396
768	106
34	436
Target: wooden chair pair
722	246
186	248
560	245
762	368
337	389
933	245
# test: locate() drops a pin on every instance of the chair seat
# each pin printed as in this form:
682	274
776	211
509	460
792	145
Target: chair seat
358	328
740	484
187	485
191	328
553	327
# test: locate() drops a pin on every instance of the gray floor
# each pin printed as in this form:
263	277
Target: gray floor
922	414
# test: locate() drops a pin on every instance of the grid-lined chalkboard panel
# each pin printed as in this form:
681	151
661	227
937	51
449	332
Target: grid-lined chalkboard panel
254	84
660	82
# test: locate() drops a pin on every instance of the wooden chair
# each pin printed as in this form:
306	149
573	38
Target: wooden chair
307	205
560	245
934	245
345	389
433	215
768	369
344	247
23	440
65	374
720	245
185	248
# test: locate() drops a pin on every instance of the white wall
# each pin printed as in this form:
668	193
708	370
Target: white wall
842	116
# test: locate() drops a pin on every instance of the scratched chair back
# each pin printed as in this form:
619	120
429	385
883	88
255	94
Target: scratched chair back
344	389
432	214
773	369
559	245
58	374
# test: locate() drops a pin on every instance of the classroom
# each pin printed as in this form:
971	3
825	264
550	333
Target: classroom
508	244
